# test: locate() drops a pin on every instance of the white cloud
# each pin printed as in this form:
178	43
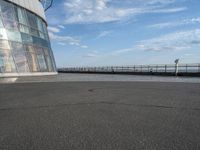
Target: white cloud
176	41
84	46
160	1
176	23
61	43
173	41
125	50
103	34
188	54
92	54
54	29
63	40
61	26
169	10
101	11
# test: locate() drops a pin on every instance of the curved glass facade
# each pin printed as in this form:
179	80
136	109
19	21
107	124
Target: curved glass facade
24	41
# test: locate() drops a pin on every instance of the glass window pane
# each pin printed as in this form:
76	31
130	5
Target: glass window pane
39	41
34	32
4	44
32	20
41	59
3	34
46	37
45	28
23	28
7	10
52	59
21	15
32	58
15	46
10	24
41	62
46	51
26	38
6	62
21	61
1	5
1	23
42	35
39	23
19	57
48	59
49	63
14	36
1	64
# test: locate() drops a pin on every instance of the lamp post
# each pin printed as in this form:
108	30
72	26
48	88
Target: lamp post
46	4
176	66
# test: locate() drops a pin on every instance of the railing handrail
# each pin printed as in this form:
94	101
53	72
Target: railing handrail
192	67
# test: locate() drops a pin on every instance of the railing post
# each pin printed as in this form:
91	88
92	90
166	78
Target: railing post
165	68
199	68
186	68
112	70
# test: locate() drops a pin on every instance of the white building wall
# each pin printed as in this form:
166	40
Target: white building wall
33	5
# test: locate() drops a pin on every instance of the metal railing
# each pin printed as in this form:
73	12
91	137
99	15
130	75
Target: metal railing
170	68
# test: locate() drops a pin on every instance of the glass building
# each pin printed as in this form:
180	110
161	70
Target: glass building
24	42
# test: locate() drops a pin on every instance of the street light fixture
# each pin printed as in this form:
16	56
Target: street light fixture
176	66
46	4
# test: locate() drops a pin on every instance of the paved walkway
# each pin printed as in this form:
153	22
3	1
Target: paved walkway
100	116
100	77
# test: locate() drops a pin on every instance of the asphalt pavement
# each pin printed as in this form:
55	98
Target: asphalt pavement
100	116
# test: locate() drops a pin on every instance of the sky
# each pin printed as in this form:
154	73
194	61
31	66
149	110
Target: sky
124	32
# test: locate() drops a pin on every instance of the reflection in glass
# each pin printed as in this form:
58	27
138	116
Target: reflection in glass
21	15
48	59
7	10
21	61
42	62
23	28
9	24
1	23
39	24
32	59
14	36
6	62
41	59
19	57
24	41
32	20
26	38
4	44
1	5
3	34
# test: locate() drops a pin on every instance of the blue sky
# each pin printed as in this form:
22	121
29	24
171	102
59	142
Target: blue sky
124	32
